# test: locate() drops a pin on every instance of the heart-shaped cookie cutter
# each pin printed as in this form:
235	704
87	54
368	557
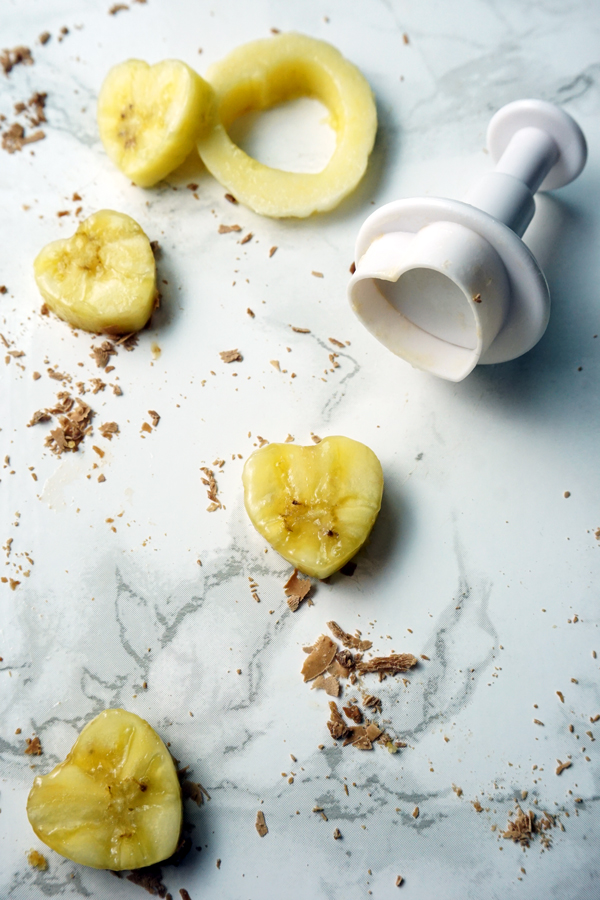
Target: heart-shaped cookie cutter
448	284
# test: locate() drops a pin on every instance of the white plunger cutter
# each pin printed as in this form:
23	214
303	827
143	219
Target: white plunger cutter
446	284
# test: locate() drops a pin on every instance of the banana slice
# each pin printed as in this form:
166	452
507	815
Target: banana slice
315	505
263	73
115	802
101	279
149	117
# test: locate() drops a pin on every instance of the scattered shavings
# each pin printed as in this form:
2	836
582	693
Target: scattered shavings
391	665
320	657
17	56
108	429
522	829
229	356
193	790
348	640
72	429
336	725
260	824
226	229
14	138
34	747
212	491
296	590
103	353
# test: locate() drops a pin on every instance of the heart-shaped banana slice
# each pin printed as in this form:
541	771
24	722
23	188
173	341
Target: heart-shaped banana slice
115	802
101	279
315	505
150	117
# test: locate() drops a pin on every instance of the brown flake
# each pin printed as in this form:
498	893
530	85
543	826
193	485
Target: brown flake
317	274
477	806
229	197
336	725
14	138
522	828
337	343
348	640
117	7
250	313
390	665
372	702
182	891
560	696
41	415
353	712
193	790
102	353
260	824
108	429
154	416
537	722
101	478
212	491
405	38
563	765
296	589
34	747
44	37
17	56
229	356
415	813
97	385
300	330
246	238
331	685
319	659
72	429
337	834
226	229
399	880
272	251
457	790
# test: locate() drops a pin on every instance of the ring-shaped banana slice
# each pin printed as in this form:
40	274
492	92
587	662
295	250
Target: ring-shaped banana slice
258	75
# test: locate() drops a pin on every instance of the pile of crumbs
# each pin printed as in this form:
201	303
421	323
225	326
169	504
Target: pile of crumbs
211	483
14	137
525	826
326	663
74	423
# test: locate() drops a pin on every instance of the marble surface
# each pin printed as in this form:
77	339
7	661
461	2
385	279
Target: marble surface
478	560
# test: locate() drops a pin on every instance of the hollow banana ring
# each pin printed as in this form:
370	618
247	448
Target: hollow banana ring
263	73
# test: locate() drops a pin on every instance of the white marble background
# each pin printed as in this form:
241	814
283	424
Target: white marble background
475	547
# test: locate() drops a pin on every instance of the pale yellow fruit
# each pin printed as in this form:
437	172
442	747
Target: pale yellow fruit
315	505
115	802
263	73
149	117
103	278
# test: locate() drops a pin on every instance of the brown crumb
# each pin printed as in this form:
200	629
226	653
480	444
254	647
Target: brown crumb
391	665
101	479
353	712
182	891
336	725
300	330
34	747
457	790
352	268
415	813
405	38
40	415
250	313
37	860
14	138
193	790
337	343
317	274
315	438
595	718
563	765
229	356
348	640
102	353
226	229
117	7
260	824
560	696
108	429
477	806
318	660
154	416
72	429
372	702
296	589
229	197
17	56
272	251
337	834
246	238
44	37
212	491
218	864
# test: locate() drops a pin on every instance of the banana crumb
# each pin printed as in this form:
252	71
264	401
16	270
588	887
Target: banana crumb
34	747
296	589
226	229
37	860
229	356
